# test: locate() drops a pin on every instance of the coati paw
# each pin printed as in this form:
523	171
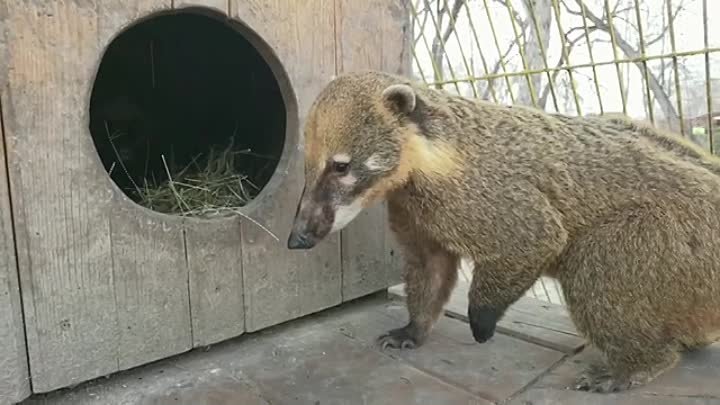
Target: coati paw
594	379
599	379
483	321
402	338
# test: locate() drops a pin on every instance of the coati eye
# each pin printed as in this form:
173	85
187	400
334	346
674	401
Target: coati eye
341	167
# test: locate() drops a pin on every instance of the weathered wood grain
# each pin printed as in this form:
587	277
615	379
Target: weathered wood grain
148	250
554	397
64	199
216	5
369	35
110	285
61	194
14	377
214	252
393	254
528	319
281	284
151	284
400	13
364	255
495	370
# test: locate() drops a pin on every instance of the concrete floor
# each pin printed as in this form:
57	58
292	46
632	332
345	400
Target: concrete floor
330	359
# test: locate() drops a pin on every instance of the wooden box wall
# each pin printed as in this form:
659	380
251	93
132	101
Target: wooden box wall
107	285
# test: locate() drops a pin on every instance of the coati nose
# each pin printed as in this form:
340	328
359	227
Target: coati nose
298	241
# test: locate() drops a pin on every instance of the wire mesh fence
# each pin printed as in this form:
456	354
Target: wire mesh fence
654	60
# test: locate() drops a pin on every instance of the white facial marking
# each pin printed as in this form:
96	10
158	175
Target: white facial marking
346	213
348	180
373	163
341	158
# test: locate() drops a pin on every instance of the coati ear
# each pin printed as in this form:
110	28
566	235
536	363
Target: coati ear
400	98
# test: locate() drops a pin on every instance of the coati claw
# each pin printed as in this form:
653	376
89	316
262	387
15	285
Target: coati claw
599	380
483	321
398	339
604	385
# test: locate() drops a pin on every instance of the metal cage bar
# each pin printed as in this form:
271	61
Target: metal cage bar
515	65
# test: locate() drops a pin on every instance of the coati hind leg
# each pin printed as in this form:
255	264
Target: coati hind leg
624	370
430	275
637	291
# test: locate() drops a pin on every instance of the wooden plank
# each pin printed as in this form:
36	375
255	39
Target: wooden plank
305	362
14	377
281	284
151	284
495	371
696	374
363	255
214	252
148	249
329	368
562	397
369	35
400	11
216	5
528	319
61	195
393	255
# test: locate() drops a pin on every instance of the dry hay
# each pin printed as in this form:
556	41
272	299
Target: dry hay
207	189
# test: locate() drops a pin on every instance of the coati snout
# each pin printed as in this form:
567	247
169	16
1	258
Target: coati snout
354	144
327	205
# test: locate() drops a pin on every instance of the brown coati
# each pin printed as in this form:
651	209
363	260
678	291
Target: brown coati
623	215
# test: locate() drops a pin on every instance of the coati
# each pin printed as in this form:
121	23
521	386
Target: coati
624	216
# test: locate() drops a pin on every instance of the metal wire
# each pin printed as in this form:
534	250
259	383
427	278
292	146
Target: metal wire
518	64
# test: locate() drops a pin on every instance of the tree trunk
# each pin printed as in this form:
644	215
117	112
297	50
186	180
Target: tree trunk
630	52
542	10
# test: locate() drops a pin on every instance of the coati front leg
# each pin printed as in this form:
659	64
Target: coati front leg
493	290
430	274
521	254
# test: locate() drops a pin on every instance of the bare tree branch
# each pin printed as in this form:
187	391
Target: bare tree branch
535	48
497	66
657	89
666	27
439	42
426	13
571	43
516	15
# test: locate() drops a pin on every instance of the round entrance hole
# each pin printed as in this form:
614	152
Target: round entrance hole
187	116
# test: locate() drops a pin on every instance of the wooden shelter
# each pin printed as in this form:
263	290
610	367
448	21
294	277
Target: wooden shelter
91	282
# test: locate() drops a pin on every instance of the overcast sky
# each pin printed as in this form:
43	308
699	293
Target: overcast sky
689	36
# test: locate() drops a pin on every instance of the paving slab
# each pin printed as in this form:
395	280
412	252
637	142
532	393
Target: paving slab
332	369
697	374
545	396
310	361
494	370
331	358
529	319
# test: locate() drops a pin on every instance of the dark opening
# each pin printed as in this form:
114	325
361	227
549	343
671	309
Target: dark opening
185	112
